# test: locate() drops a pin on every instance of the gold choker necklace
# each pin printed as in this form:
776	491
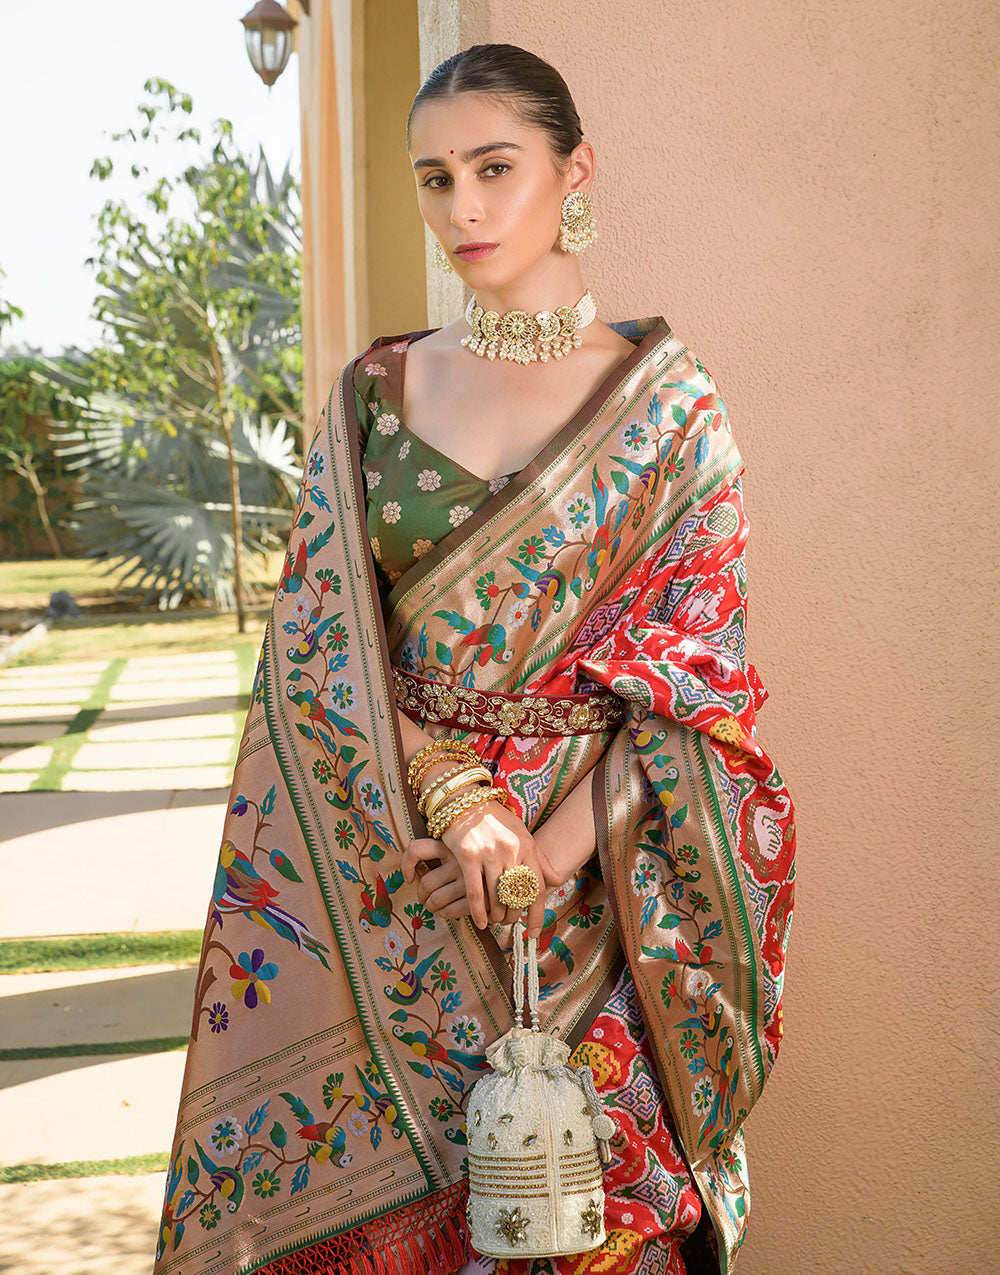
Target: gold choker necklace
513	335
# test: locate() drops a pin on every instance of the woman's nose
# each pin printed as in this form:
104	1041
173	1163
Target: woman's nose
466	209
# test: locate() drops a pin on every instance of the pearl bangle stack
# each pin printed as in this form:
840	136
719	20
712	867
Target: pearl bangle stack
439	807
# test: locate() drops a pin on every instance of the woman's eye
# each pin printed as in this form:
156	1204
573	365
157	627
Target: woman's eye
437	177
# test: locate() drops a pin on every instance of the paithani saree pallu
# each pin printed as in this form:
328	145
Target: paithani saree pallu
587	621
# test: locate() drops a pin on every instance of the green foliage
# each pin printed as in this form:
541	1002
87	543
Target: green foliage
185	417
35	493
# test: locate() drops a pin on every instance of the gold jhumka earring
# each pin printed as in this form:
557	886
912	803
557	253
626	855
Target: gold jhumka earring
440	258
577	228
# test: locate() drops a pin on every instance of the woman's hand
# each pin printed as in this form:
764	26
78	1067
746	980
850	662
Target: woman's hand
563	857
442	889
568	838
483	841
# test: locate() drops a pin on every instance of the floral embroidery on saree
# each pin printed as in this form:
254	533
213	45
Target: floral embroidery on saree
340	1024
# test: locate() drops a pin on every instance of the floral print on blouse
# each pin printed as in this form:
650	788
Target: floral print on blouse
415	495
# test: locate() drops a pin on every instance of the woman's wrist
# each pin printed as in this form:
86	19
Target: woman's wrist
568	837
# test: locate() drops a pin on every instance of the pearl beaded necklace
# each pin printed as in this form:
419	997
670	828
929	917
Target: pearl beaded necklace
514	335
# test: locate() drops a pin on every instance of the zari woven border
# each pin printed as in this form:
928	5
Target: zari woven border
499	714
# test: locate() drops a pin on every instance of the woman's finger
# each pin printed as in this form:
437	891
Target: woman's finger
445	894
473	873
503	915
433	878
498	911
453	910
418	851
549	873
535	919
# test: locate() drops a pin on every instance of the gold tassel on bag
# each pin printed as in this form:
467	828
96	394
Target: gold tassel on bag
538	1137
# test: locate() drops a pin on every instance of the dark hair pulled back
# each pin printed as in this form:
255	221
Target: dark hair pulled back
536	91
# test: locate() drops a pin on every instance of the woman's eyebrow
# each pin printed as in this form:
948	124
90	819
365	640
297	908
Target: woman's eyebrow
469	156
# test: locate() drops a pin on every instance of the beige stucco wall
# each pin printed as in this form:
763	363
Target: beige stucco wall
808	195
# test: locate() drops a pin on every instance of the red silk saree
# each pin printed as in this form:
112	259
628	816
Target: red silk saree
588	619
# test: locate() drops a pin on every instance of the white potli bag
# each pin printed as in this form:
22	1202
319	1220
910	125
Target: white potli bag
538	1138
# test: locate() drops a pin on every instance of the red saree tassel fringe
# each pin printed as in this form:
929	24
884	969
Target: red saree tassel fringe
426	1238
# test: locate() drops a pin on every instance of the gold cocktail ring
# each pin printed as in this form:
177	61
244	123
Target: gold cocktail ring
517	887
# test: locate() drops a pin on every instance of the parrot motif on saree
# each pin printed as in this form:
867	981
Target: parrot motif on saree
586	623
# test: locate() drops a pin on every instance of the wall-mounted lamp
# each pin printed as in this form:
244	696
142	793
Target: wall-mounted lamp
268	28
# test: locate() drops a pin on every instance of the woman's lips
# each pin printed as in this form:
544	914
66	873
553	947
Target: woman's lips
475	254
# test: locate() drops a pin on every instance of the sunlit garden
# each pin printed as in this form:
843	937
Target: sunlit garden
146	483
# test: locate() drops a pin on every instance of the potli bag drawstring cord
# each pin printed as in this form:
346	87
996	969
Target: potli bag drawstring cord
604	1126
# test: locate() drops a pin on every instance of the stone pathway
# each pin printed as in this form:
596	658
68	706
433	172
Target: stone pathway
81	1226
161	722
116	775
108	862
94	1107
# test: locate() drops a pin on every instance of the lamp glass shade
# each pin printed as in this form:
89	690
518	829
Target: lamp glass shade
269	49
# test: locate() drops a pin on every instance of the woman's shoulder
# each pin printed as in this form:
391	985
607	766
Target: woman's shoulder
377	381
372	365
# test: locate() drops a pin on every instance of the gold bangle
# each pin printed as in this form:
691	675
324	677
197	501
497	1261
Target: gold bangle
430	756
436	807
436	796
435	761
439	781
457	806
424	793
466	756
443	741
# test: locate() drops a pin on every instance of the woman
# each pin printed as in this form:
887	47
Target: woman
531	564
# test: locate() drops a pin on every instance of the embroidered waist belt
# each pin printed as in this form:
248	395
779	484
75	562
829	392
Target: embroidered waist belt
500	714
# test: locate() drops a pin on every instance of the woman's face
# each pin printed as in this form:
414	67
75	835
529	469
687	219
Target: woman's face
491	178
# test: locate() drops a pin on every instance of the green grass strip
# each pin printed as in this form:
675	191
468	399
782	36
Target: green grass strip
98	951
129	1165
66	746
160	1045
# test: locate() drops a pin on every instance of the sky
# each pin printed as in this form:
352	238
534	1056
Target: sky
73	75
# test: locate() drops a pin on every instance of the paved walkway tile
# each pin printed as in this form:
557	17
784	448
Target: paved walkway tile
203	726
64	668
62	696
93	1107
25	758
29	732
134	780
16	782
81	1226
132	846
178	673
94	863
153	754
50	675
84	1007
37	713
168	722
158	709
173	689
184	660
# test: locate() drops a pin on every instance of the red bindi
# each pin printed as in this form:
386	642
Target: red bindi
451	152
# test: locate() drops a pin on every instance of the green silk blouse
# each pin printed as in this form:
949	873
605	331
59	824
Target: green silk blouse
414	494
